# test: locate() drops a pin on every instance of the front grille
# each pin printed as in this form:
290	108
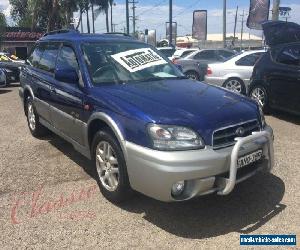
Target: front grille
225	137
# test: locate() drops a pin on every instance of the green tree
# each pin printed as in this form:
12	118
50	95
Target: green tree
3	25
102	6
45	14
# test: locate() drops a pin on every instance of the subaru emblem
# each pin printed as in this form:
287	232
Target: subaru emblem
240	131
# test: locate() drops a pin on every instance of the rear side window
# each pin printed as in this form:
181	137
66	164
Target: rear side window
35	56
223	54
249	60
48	59
67	59
290	55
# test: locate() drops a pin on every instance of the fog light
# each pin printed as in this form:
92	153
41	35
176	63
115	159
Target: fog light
177	188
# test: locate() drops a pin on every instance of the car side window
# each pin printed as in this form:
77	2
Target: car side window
35	56
205	55
67	59
223	54
290	55
248	60
48	58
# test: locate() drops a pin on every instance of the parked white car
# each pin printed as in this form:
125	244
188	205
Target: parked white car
167	51
180	53
233	74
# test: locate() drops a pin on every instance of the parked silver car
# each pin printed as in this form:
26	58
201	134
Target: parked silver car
233	74
194	65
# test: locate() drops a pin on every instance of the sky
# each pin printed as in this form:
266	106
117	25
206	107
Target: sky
153	14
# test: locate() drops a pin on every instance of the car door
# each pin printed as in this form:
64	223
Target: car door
67	98
39	82
284	79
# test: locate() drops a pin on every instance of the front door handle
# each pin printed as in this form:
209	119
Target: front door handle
52	89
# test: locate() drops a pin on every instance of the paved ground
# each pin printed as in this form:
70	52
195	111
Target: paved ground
49	198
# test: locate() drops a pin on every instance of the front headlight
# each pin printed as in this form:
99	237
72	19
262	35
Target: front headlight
168	137
262	117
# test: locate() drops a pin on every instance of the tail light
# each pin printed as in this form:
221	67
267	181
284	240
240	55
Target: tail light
174	60
209	71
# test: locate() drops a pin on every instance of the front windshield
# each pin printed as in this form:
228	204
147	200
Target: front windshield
126	62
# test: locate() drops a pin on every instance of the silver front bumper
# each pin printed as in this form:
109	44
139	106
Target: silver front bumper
153	172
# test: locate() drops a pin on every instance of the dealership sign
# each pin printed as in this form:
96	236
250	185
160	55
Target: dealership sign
138	59
199	30
258	13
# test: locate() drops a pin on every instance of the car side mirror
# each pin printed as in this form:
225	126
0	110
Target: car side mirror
68	75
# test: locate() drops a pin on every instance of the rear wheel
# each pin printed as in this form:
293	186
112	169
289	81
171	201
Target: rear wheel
235	85
34	125
193	75
110	166
259	94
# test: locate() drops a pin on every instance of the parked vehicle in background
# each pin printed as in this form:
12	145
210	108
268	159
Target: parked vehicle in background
141	122
2	78
11	70
233	74
194	65
167	51
275	81
180	53
9	57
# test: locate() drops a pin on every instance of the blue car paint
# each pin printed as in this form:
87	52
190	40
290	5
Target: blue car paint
133	106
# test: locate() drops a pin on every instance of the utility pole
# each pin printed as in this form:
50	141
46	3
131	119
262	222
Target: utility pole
111	15
224	23
275	10
170	22
235	21
133	15
242	29
127	17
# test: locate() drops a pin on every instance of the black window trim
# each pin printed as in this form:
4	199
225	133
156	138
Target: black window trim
39	69
280	51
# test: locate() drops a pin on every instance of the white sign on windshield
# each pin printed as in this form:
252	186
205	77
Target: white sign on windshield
138	59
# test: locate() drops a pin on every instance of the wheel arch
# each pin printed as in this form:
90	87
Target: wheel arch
27	92
99	121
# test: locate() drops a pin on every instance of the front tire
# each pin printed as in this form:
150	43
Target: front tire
110	165
34	125
193	75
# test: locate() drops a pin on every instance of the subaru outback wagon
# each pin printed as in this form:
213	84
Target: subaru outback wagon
146	127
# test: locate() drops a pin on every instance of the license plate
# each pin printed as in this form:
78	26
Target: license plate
250	158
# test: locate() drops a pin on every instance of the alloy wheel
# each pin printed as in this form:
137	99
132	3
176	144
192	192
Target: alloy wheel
107	166
31	116
234	85
259	95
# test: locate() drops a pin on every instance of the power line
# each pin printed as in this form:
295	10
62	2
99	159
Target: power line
186	9
153	7
134	19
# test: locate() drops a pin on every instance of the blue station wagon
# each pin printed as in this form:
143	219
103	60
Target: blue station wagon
123	105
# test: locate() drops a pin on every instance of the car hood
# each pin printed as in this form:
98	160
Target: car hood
279	32
189	103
